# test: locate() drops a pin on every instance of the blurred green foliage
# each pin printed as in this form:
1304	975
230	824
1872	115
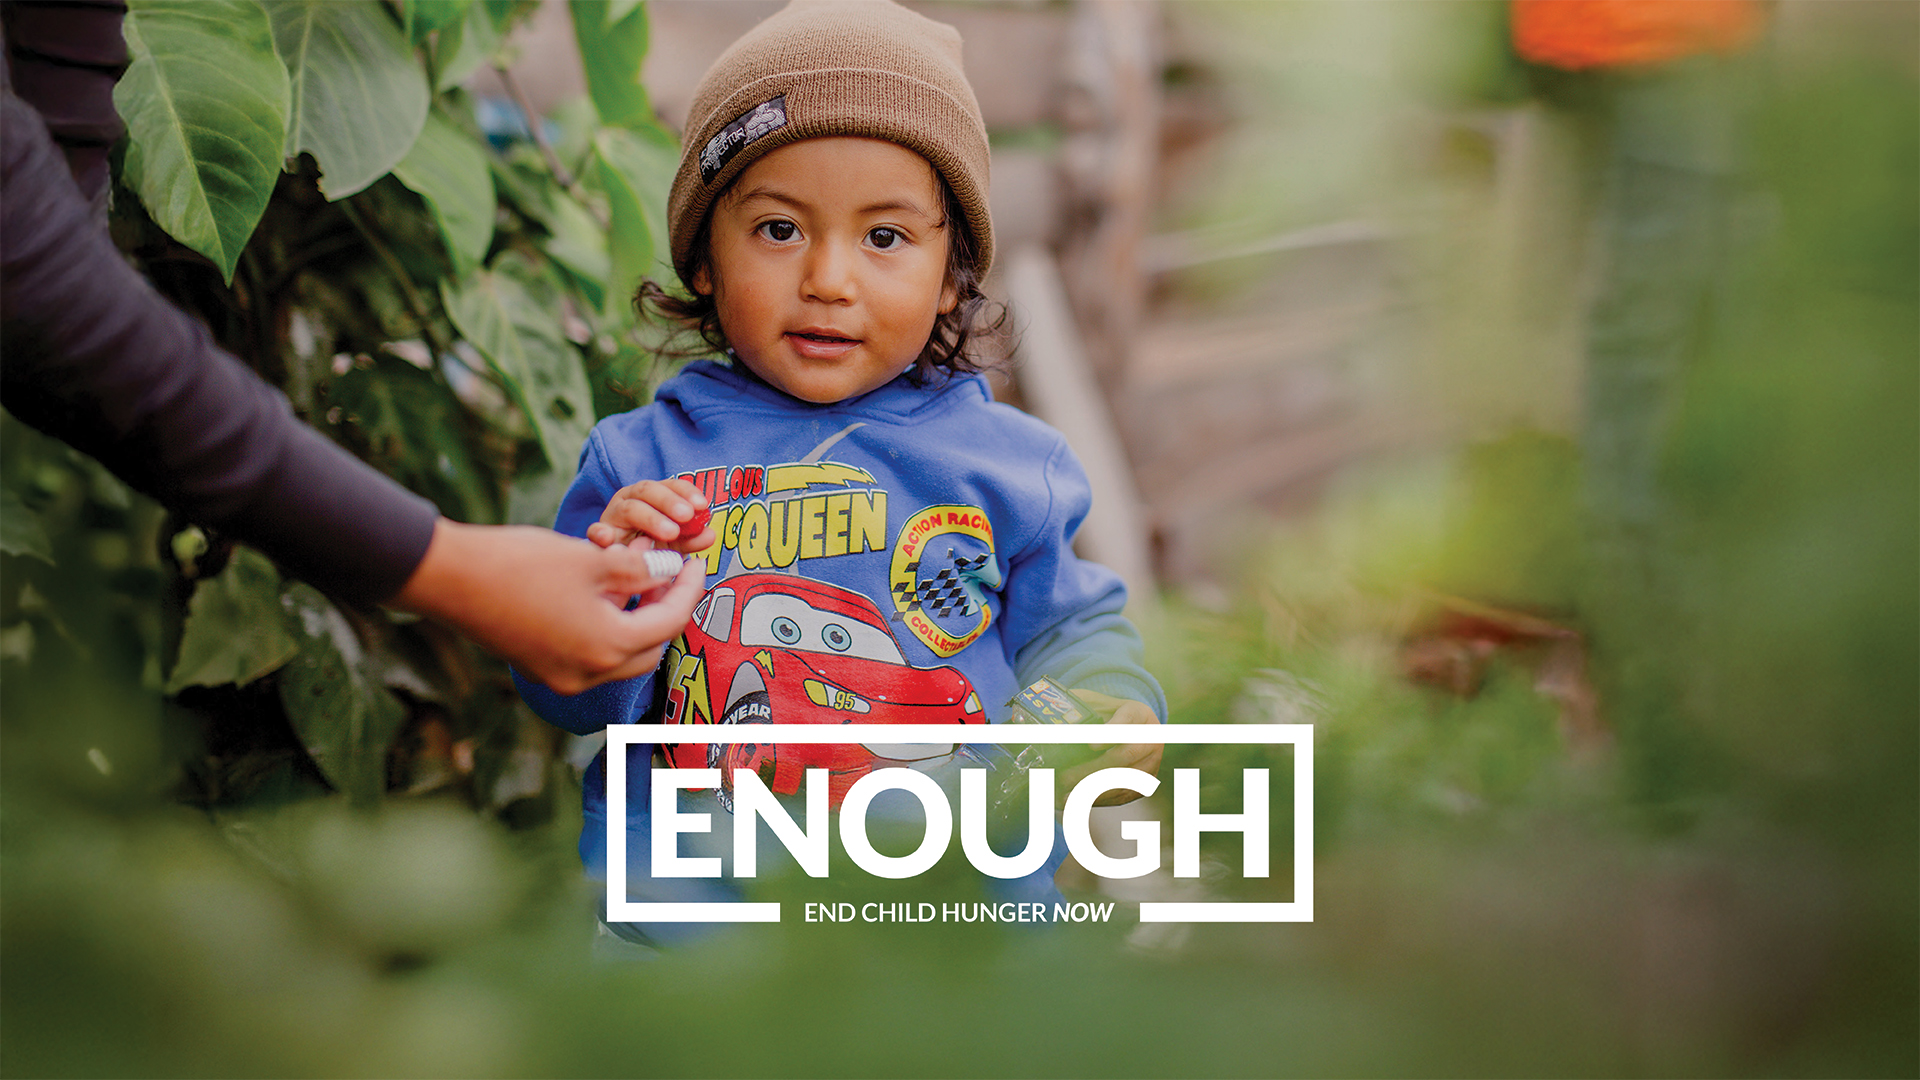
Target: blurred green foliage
432	291
1723	883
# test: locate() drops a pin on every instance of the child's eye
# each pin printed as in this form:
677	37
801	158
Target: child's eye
780	231
883	238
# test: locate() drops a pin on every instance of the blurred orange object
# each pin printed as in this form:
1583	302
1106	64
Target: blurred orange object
1579	34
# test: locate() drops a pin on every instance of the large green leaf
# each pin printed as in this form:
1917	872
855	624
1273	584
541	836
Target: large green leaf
578	242
359	98
611	54
422	17
448	169
409	425
636	171
520	337
234	631
20	530
343	714
534	496
463	46
205	103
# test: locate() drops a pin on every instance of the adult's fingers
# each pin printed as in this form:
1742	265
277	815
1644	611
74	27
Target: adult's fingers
641	663
629	570
647	629
675	606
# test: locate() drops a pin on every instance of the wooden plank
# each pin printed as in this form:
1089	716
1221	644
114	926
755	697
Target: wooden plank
1058	386
1109	159
1267	468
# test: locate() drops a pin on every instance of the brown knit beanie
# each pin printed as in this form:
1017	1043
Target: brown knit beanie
833	67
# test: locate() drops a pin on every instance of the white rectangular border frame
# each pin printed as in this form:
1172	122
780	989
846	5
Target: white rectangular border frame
1299	736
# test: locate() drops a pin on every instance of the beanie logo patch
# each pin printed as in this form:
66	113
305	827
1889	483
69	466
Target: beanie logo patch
763	119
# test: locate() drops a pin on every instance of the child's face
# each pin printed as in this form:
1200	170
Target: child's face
828	265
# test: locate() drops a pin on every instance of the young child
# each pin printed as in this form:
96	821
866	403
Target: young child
885	543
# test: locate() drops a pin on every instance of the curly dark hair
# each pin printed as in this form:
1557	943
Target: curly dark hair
947	353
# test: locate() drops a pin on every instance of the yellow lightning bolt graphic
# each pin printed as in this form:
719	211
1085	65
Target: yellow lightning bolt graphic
796	477
691	674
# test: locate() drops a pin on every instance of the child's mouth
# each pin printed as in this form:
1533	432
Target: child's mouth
820	345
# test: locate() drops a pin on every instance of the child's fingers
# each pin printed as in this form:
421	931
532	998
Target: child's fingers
695	543
679	500
1142	756
687	491
607	536
1117	711
636	517
696	532
663	510
1104	704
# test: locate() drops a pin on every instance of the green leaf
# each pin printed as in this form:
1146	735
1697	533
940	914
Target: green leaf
463	46
234	630
520	337
205	101
573	123
578	242
20	530
534	497
508	13
344	715
423	17
636	171
611	54
448	168
525	188
359	96
408	424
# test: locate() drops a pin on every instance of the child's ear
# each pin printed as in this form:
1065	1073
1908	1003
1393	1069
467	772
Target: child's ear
949	296
702	280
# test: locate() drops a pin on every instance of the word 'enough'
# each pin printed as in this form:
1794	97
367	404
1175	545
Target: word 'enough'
752	803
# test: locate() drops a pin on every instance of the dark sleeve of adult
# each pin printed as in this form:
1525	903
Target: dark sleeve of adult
64	59
91	354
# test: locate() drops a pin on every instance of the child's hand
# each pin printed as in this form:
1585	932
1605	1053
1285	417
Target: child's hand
662	513
1142	756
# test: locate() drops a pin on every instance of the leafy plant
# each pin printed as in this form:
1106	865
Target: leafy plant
447	299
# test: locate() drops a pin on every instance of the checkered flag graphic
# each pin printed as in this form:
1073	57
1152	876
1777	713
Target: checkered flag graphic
946	592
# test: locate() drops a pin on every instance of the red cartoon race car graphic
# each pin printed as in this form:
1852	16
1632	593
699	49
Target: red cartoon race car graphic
770	648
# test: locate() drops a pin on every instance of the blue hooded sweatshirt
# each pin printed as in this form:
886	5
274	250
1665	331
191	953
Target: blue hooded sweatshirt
902	556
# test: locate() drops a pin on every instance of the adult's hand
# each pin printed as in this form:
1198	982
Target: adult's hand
551	605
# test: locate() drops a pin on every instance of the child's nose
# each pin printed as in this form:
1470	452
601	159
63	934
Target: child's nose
829	275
